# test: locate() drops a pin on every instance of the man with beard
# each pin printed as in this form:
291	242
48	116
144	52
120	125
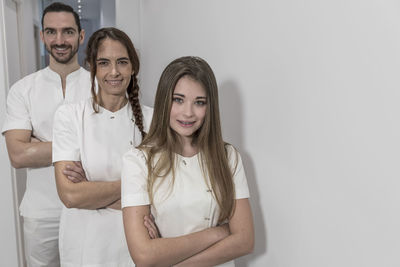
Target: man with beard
31	104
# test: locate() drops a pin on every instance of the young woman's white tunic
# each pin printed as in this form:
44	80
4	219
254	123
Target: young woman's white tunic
186	207
98	140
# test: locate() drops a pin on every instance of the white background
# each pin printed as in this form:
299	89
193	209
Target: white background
310	94
16	57
8	240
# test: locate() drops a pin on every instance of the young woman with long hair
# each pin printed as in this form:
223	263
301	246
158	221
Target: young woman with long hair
187	177
97	132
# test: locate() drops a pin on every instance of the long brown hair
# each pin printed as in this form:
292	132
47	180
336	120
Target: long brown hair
162	141
133	88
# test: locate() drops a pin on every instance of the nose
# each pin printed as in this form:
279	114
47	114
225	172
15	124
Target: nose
188	109
114	70
59	38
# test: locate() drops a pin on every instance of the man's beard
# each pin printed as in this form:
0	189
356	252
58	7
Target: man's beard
67	47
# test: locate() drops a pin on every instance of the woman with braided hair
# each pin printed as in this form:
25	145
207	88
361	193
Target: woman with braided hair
97	132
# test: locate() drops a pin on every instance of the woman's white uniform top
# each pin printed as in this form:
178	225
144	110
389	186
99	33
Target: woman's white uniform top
98	140
186	207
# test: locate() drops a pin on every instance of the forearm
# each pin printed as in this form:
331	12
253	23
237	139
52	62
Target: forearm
85	194
169	251
164	251
240	242
91	195
30	155
116	205
228	249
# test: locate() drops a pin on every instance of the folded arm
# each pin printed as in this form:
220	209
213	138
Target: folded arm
164	251
240	242
85	194
25	151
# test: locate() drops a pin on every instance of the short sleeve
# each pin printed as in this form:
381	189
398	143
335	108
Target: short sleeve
65	136
147	115
17	114
134	179
239	176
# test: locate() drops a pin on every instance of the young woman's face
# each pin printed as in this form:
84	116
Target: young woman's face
114	69
189	105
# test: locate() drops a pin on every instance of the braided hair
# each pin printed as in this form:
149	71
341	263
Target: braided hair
133	88
133	98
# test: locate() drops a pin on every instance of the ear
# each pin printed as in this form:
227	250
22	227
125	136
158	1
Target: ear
41	36
81	36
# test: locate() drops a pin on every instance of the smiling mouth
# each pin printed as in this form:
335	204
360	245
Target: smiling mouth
186	123
60	48
61	51
114	82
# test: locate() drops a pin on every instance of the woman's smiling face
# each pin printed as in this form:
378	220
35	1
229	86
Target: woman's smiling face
189	105
114	69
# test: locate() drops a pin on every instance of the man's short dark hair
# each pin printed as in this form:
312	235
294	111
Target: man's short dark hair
60	7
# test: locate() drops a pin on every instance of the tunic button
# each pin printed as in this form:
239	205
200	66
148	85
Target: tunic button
208	190
207	219
184	162
112	117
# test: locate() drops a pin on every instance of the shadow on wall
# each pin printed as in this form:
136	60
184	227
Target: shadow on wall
232	127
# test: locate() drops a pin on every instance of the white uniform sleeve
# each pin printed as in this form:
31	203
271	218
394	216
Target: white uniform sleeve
134	179
65	136
147	116
239	176
17	114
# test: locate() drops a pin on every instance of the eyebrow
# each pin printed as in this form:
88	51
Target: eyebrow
198	97
69	29
63	29
106	59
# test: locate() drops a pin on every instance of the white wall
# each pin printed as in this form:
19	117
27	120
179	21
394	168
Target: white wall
9	215
127	18
12	46
310	95
107	13
27	17
18	57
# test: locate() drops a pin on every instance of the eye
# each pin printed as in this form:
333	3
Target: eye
102	63
70	32
123	62
178	100
50	31
200	102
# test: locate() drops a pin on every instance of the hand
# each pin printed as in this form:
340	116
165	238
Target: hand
115	205
35	140
75	172
151	226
